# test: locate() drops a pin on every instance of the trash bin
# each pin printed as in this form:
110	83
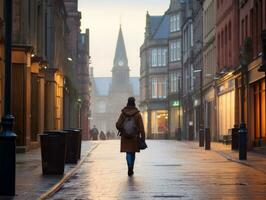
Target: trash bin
73	145
53	151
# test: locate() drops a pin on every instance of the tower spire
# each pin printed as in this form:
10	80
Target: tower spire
120	58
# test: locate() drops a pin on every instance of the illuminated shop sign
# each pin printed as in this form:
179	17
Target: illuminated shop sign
175	103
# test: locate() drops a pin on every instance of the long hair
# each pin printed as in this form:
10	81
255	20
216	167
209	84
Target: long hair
131	102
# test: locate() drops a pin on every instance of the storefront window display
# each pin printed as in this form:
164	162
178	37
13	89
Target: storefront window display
145	120
226	114
260	110
159	121
175	118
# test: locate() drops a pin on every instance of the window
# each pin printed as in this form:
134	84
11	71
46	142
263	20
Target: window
191	77
175	82
175	50
158	58
154	57
191	36
242	31
142	89
175	23
219	50
159	121
159	88
226	107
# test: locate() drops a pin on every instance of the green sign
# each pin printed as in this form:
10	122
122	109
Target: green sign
175	103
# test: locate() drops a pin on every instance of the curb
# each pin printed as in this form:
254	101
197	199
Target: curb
229	158
66	177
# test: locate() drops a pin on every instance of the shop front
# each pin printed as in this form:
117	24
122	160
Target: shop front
257	106
159	124
225	107
155	119
21	95
210	113
145	120
174	118
37	100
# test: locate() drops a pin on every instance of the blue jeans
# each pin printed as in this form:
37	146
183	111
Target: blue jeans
130	159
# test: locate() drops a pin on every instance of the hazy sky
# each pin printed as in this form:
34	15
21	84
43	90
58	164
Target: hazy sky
102	17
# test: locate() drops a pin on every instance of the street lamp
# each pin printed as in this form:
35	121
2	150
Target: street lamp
7	136
245	55
79	101
201	130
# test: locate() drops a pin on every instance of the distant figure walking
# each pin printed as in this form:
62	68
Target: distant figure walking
102	136
94	133
130	126
108	135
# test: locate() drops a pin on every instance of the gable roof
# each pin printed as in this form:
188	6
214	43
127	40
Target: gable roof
159	26
154	22
162	31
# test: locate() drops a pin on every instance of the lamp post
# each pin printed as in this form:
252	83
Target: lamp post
244	59
7	136
79	112
201	128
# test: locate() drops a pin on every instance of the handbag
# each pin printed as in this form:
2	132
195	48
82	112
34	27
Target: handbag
142	144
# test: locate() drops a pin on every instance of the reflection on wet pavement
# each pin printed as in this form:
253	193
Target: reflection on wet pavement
166	170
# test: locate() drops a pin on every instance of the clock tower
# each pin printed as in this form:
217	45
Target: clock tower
120	71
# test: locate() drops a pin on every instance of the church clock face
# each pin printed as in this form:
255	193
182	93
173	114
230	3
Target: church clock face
120	63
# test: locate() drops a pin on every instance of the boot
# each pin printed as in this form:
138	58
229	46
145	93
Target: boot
130	171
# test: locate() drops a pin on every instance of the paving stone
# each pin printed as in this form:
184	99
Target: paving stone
30	183
166	170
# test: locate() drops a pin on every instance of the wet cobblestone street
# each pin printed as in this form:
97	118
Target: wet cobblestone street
166	170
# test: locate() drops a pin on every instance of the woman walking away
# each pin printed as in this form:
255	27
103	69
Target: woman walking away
130	126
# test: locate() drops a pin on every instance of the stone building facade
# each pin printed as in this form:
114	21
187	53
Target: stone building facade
188	71
252	21
197	55
209	66
39	65
84	83
161	72
227	43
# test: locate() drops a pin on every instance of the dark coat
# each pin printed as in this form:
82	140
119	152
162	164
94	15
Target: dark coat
130	145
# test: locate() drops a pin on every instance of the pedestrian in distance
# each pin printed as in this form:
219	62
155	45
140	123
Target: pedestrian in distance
131	130
102	136
108	135
94	133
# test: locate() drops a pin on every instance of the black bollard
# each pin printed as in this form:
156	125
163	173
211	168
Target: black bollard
235	139
207	139
179	135
242	142
7	158
201	137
